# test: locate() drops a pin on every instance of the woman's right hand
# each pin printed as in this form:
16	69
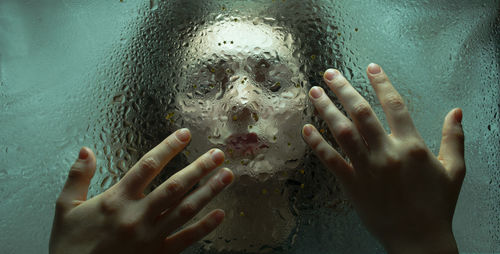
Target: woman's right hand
124	220
403	193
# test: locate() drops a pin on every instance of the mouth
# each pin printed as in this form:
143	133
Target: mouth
244	144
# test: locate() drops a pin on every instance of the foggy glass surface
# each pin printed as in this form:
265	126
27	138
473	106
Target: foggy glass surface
113	75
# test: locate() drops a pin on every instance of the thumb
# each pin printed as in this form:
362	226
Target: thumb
78	181
451	153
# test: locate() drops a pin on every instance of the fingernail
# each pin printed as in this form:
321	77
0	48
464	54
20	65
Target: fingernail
458	116
307	130
183	134
217	156
316	92
219	216
374	68
84	154
226	176
330	74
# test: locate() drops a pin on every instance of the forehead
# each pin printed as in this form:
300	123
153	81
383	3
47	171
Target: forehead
234	39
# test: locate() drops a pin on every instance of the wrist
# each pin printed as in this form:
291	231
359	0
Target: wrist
431	242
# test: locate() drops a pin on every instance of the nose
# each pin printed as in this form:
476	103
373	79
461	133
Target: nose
244	102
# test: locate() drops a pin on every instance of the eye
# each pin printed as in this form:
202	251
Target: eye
261	70
260	76
263	64
217	73
275	87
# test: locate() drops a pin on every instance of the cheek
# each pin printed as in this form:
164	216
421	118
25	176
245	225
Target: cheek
192	112
287	113
285	122
200	117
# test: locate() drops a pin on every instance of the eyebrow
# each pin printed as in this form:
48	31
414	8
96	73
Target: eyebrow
255	58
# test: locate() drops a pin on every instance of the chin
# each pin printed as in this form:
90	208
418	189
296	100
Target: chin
263	166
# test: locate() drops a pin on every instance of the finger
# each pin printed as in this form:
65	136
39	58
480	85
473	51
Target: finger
77	184
193	203
188	236
343	130
451	153
358	108
396	112
141	174
326	153
174	188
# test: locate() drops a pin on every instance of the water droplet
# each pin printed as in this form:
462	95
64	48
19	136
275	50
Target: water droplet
153	4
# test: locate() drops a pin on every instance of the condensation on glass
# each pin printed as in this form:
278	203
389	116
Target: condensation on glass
237	76
236	73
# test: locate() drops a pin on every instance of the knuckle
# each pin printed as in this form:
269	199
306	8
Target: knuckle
172	144
380	80
325	153
129	227
207	226
392	161
329	110
315	142
206	163
188	209
149	164
109	206
446	135
329	113
450	134
460	136
173	186
323	105
321	151
345	132
417	149
332	160
215	186
362	110
77	172
340	83
394	101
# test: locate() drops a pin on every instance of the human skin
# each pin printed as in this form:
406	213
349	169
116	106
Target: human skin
124	220
404	194
261	96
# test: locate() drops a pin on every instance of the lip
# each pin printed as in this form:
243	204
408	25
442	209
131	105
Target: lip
244	144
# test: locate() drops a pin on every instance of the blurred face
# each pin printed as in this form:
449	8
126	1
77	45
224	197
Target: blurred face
244	95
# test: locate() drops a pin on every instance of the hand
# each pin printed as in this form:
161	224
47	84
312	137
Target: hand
404	194
123	219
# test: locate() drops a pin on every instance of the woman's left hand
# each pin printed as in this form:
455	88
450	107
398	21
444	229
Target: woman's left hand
404	194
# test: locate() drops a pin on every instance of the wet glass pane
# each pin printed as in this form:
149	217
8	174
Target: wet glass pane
119	76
